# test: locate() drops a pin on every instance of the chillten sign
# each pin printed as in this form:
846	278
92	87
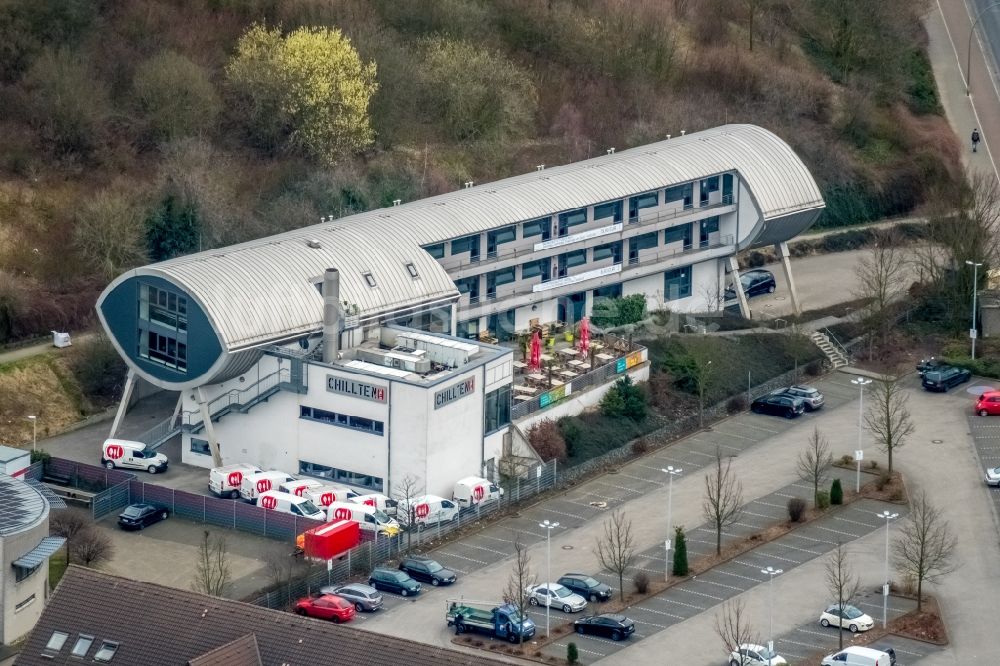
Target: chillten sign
454	392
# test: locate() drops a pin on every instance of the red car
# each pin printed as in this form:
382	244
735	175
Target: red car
326	607
988	404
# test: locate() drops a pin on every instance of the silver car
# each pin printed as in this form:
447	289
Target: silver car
364	597
555	596
993	476
807	394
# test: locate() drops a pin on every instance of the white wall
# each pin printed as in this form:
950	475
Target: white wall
454	435
747	211
14	625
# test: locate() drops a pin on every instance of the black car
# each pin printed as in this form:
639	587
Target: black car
607	625
778	404
427	570
943	377
929	364
754	282
586	586
137	516
390	580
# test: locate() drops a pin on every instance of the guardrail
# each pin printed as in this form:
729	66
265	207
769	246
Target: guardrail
239	398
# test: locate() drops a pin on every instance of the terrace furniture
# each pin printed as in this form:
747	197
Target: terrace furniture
604	357
521	388
568	374
569	351
577	363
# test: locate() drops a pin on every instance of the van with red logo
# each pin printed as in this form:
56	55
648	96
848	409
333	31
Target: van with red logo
275	500
376	500
255	484
473	490
298	487
367	517
427	510
226	481
132	455
323	496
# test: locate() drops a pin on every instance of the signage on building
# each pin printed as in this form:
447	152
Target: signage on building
583	235
554	396
573	279
454	392
355	389
630	361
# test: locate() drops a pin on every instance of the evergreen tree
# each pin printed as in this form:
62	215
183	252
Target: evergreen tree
680	552
836	493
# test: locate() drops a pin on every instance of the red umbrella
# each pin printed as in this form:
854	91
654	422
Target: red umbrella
535	362
584	334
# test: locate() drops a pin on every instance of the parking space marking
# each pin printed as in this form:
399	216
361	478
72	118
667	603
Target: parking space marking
488	550
723	571
462	557
582	649
850	535
670	600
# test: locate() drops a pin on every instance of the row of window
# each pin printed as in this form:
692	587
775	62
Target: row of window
162	327
497	408
335	476
343	420
163	349
610	213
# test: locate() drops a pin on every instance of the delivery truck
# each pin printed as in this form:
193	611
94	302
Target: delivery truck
473	490
226	481
493	619
331	540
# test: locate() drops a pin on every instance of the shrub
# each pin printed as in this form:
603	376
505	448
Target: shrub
641	582
736	404
572	654
98	368
896	495
110	232
796	509
836	493
822	500
625	398
883	480
547	440
614	312
814	368
176	96
873	464
640	446
680	552
756	259
846	459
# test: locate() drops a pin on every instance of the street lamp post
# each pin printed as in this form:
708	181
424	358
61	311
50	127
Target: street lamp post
548	568
861	383
973	333
968	55
671	472
885	587
34	432
771	572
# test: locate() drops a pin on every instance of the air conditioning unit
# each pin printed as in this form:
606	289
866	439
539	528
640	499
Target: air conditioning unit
394	359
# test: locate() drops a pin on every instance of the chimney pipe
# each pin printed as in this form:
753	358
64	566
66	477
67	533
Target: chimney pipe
331	315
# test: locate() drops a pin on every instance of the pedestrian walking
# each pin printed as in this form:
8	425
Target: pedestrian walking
975	139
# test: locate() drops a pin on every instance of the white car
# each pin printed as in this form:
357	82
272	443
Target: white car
847	618
755	655
556	596
993	476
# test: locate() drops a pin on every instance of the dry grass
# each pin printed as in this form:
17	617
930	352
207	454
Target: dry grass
39	386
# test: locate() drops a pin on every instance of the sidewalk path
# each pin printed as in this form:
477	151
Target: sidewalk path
41	348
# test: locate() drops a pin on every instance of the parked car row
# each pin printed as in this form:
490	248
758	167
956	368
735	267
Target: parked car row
790	402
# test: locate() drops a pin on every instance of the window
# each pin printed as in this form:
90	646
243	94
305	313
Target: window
708	226
200	446
106	651
468	244
369	279
541	227
612	209
571	259
497	279
163	323
541	267
677	283
571	219
24	603
470	286
497	409
56	641
708	186
498	237
680	233
468	329
611	251
683	193
608	291
412	270
343	420
727	188
636	204
82	646
643	242
340	475
436	251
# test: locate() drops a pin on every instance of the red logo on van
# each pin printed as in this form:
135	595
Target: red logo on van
326	499
478	493
115	451
269	502
342	513
263	485
370	501
300	490
235	478
422	510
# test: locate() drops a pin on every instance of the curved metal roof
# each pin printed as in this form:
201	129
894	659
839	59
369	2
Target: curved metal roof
263	290
21	506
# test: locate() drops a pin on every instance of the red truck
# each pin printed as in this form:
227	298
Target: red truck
330	540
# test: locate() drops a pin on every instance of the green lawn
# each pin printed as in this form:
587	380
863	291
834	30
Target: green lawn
57	567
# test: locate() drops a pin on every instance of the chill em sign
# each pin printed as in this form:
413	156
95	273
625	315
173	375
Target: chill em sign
454	392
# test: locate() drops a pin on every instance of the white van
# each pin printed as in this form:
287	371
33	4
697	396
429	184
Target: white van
324	496
226	481
376	500
367	517
132	455
276	500
427	510
255	484
473	490
298	487
855	655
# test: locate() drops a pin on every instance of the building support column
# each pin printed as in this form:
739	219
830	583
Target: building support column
734	271
454	320
206	419
123	405
782	251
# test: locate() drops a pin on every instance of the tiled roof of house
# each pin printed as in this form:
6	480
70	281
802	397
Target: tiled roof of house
145	624
241	652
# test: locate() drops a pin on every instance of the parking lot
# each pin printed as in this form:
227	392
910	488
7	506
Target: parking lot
986	437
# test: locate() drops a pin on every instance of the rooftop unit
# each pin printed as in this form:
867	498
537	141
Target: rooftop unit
446	352
410	361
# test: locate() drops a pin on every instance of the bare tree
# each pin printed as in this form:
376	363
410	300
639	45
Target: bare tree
888	418
521	576
212	573
841	582
732	624
405	491
91	548
723	503
814	461
616	548
925	547
753	8
700	370
69	523
881	280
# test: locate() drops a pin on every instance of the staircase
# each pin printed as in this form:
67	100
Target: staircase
240	400
835	353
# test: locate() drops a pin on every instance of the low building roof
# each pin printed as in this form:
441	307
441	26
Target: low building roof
21	505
